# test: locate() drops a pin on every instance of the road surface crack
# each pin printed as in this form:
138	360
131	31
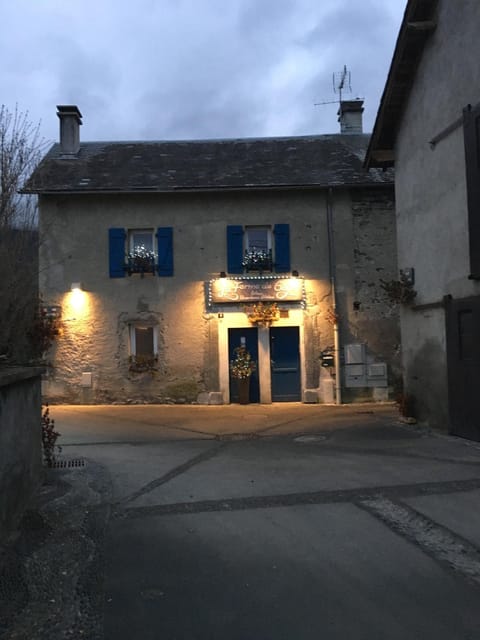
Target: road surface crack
173	473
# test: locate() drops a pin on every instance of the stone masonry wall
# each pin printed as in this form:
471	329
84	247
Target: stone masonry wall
20	443
372	315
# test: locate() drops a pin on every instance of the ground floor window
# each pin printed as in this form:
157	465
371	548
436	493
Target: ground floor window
143	347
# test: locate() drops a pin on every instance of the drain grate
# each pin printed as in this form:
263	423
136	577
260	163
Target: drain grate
68	464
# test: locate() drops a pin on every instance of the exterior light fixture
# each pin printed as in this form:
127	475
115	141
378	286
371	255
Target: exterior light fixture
295	273
76	286
408	275
223	274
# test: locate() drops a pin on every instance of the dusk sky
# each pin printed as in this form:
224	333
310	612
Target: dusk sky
176	69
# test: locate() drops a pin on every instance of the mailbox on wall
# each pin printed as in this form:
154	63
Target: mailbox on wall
355	374
327	360
359	369
377	374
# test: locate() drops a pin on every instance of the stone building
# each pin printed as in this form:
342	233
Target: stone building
155	257
428	127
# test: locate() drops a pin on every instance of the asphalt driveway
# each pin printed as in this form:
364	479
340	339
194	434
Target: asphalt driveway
270	522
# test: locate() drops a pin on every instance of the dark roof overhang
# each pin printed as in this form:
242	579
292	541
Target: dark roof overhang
417	26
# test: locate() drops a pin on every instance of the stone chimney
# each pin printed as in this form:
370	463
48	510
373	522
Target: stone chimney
70	121
350	116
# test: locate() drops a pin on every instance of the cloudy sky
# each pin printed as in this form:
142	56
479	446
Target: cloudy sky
171	69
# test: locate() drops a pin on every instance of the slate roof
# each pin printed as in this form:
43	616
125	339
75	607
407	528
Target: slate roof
185	165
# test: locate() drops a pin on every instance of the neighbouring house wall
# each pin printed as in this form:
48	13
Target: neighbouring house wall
20	443
375	260
431	205
424	354
365	251
94	339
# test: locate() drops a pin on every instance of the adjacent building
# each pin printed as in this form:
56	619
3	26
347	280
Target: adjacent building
158	259
428	128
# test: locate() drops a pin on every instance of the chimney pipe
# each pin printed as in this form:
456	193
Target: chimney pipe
350	116
70	121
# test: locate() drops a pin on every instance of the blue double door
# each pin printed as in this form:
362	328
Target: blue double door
284	363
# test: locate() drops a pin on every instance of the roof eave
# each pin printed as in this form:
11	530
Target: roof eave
417	26
210	189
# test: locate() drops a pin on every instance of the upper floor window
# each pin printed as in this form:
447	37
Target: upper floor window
140	251
259	238
141	257
258	248
140	240
257	254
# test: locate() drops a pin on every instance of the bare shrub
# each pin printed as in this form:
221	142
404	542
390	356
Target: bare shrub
20	150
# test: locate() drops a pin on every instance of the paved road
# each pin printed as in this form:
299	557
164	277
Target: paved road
278	522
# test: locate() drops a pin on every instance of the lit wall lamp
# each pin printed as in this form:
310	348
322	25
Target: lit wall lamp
295	273
76	286
223	274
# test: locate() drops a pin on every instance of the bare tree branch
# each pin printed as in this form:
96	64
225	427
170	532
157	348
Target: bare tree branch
20	151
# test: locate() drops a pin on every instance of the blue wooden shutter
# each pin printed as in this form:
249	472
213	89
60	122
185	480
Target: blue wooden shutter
282	247
234	248
165	251
116	252
471	136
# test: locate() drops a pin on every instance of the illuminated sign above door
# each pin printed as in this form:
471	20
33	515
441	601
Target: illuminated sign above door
254	289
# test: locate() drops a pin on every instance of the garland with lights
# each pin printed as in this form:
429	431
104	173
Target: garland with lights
263	314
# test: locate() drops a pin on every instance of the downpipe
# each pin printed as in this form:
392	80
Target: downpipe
332	269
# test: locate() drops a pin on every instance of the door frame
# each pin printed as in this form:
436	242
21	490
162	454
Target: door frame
283	379
239	320
462	397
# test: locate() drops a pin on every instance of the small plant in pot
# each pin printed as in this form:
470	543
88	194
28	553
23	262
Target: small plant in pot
399	291
241	368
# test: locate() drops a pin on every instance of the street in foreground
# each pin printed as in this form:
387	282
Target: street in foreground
278	522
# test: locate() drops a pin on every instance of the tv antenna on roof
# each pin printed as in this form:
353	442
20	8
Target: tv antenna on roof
341	82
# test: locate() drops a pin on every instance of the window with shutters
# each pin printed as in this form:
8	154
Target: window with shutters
258	248
140	251
471	133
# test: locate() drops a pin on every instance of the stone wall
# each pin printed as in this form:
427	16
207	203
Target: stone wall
365	251
20	443
372	315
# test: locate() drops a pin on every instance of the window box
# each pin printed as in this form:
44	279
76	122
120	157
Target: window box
141	261
257	260
143	364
